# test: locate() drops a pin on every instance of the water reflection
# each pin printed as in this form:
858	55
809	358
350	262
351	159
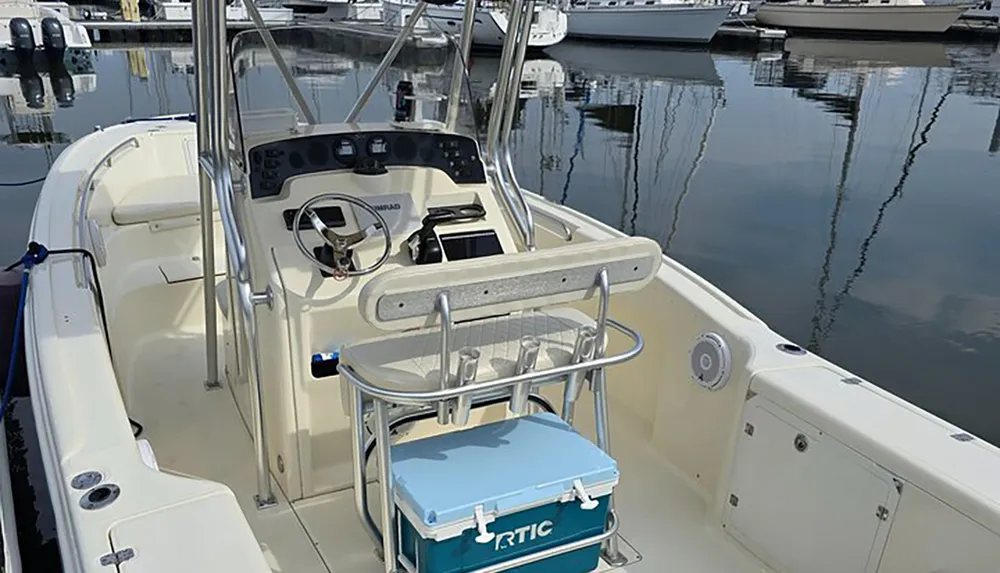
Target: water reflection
843	190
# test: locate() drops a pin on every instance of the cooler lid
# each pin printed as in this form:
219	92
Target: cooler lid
501	466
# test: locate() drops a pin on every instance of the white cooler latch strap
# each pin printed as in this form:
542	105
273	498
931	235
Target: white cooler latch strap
586	502
481	520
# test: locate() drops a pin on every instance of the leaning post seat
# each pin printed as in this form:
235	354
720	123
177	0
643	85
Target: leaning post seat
471	332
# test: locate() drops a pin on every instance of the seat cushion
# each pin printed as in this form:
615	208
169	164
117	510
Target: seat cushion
159	199
411	360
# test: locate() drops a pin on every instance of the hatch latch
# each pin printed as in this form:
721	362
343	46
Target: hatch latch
118	557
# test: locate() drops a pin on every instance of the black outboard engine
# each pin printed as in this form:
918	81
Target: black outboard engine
404	101
62	85
22	38
54	40
33	90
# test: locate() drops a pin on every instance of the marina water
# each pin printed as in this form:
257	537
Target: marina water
847	192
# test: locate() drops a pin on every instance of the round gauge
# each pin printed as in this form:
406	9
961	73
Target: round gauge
378	146
345	151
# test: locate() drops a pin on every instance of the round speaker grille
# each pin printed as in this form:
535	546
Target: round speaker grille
710	361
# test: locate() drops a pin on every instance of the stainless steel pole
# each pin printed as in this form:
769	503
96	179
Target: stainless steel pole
506	57
390	56
461	63
201	22
360	471
279	61
384	456
514	91
609	549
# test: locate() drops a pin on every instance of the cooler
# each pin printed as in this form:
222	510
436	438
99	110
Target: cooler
485	495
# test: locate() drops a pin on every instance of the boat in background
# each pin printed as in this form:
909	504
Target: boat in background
548	26
36	37
646	20
178	11
895	16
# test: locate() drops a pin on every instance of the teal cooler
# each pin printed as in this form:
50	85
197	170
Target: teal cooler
481	496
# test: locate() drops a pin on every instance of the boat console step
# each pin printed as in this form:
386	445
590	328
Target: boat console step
489	494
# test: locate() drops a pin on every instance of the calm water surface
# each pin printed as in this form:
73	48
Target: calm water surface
846	192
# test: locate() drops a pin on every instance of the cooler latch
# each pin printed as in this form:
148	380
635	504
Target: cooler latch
586	502
481	521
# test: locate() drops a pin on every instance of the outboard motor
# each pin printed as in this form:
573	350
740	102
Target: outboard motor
54	39
22	38
62	85
33	91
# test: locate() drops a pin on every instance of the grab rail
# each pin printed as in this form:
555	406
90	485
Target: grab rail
83	196
566	230
484	388
222	178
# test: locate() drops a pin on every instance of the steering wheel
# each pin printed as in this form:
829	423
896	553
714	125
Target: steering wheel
341	244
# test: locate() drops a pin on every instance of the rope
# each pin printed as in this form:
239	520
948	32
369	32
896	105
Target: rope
36	254
23	183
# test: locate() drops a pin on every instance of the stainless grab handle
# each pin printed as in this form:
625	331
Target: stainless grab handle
248	300
223	180
84	194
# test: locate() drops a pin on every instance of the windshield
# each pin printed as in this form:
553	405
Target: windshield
331	70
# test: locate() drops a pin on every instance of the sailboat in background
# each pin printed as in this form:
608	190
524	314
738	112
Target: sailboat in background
646	20
908	16
548	25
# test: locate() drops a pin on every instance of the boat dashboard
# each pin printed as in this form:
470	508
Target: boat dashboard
364	153
429	187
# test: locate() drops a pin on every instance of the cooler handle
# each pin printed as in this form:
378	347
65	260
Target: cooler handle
481	520
586	502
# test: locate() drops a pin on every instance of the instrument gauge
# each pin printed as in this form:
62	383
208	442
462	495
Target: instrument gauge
378	146
345	151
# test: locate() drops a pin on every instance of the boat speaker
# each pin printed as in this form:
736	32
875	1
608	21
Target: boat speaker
711	361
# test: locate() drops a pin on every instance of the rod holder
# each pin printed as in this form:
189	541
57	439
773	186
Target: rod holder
583	350
468	364
527	356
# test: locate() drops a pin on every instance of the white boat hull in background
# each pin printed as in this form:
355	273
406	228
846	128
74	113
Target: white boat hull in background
181	12
657	23
490	25
916	18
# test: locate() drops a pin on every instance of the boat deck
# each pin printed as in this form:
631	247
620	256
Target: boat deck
201	433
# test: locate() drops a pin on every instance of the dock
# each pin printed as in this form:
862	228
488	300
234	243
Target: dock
371	35
737	30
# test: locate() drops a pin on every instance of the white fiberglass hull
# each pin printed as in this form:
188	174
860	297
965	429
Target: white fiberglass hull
490	26
871	18
658	23
181	12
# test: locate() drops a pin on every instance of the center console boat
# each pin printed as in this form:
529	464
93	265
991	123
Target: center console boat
256	342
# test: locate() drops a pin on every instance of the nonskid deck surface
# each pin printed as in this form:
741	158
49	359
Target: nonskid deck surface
200	433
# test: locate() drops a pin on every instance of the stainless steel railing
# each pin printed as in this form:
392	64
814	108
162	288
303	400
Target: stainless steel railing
85	193
446	400
247	300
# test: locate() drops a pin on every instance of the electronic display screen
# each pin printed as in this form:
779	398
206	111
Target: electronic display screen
470	245
332	216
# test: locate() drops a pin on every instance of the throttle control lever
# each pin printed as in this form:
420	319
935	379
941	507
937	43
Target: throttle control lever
424	246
